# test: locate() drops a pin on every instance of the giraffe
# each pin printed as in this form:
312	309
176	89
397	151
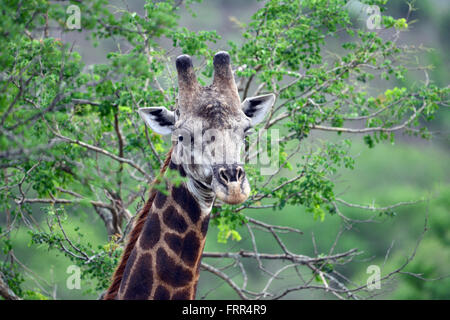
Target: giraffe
208	129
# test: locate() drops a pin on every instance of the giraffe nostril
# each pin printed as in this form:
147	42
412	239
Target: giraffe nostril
223	175
240	174
231	175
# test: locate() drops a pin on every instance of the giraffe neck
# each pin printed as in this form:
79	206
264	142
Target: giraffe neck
165	261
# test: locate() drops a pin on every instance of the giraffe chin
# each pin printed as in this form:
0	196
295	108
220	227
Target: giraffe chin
233	193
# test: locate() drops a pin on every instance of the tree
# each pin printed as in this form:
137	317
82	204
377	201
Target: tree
71	139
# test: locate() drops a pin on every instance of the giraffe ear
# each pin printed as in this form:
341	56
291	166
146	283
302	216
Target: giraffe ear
159	119
256	107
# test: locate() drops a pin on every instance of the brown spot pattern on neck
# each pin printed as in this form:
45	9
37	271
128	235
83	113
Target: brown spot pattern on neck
165	261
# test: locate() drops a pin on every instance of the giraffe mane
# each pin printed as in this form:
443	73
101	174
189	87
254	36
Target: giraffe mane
113	289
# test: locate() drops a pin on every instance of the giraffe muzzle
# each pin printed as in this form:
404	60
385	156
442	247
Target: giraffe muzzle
230	184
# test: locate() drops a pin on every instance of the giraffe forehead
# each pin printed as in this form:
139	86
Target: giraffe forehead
217	114
212	105
212	116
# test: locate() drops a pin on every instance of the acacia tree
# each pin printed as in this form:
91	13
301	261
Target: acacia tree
71	138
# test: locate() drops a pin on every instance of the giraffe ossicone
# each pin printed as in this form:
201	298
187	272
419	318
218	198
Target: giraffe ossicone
208	128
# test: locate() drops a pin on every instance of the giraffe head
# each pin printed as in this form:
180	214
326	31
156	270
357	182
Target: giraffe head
208	129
